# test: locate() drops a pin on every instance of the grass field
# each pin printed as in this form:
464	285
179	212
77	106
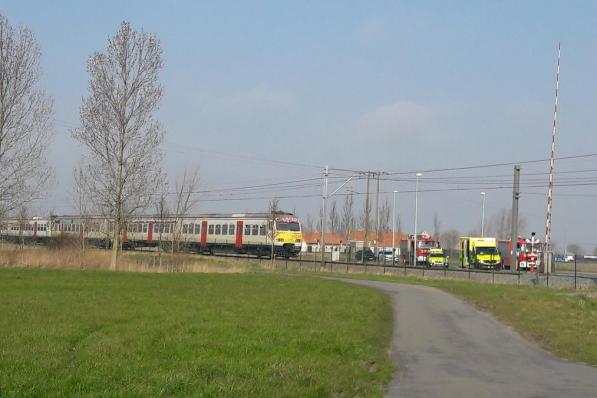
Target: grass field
88	333
561	321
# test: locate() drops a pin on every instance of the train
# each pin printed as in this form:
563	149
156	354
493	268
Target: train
261	234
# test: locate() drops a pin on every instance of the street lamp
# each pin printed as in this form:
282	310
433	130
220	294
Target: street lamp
416	215
394	228
483	216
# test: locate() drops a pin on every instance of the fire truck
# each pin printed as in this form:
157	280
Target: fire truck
424	245
528	253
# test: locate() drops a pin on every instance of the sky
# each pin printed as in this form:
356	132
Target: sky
267	92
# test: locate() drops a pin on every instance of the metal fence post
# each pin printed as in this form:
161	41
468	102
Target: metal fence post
575	272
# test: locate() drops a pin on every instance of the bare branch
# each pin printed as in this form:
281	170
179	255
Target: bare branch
118	129
25	112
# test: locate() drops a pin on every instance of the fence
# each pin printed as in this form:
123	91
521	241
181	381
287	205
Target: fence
572	281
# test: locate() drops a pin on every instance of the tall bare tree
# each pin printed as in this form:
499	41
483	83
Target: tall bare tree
348	222
385	216
333	218
118	127
450	239
25	113
162	217
185	200
499	224
81	198
365	220
308	225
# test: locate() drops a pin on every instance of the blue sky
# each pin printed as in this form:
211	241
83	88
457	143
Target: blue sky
393	86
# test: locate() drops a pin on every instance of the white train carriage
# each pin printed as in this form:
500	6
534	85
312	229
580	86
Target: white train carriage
35	229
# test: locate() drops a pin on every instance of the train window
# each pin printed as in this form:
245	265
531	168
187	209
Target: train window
210	229
225	229
218	229
231	229
185	228
262	230
255	229
197	229
247	229
155	228
144	227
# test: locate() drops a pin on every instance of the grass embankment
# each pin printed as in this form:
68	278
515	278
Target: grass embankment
560	321
87	333
71	256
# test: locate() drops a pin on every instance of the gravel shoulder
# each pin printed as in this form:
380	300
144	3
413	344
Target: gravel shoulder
444	347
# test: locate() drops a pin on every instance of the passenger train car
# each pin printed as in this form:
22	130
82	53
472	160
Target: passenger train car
254	233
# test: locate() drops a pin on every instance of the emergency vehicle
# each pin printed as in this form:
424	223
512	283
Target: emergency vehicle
424	245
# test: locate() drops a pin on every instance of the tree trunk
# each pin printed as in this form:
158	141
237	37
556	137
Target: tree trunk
115	247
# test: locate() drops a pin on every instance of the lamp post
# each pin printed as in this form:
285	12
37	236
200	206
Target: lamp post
416	215
394	228
483	216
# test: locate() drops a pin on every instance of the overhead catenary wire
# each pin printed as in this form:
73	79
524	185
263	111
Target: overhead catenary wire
490	165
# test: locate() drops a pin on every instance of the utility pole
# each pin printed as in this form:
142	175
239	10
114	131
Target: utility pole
324	198
547	251
377	217
514	217
366	215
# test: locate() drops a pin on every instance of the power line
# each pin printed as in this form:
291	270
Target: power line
245	157
481	166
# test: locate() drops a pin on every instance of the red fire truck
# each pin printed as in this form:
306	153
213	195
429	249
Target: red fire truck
424	244
527	253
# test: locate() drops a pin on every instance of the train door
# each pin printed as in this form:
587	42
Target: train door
203	233
150	232
239	235
35	229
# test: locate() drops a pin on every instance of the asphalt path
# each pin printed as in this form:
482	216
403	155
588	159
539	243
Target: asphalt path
443	347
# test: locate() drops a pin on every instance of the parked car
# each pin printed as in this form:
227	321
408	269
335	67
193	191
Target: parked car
385	255
367	254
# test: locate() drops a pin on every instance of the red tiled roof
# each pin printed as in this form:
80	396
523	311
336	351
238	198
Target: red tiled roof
385	238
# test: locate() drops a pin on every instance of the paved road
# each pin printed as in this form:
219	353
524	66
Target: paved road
443	347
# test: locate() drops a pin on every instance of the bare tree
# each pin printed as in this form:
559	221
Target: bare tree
23	220
575	249
273	208
333	218
308	226
365	220
450	239
161	217
385	217
118	128
185	200
348	222
25	113
499	225
437	225
81	198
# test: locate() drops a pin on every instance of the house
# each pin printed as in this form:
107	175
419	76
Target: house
356	240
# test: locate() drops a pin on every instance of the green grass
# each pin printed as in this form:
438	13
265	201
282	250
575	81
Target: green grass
89	334
558	320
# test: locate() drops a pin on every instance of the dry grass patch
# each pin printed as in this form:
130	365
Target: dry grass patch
73	257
